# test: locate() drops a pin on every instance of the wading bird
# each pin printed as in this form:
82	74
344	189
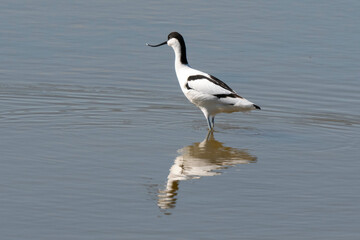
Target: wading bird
207	92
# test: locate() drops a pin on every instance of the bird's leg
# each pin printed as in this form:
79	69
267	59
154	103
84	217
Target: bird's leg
212	121
209	123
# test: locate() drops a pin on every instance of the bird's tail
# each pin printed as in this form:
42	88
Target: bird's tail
245	105
256	106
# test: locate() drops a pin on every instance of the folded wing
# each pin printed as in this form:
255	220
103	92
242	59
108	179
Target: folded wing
207	84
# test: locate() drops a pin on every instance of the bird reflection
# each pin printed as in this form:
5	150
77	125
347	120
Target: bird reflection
198	160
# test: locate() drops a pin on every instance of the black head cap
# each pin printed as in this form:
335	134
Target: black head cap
176	35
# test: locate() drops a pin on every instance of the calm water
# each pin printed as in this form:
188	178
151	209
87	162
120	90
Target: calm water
98	142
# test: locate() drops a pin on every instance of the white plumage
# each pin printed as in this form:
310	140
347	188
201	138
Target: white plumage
207	92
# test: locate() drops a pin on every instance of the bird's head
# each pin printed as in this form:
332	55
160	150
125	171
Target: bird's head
176	41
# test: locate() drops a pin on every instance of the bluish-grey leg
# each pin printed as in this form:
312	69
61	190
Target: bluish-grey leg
209	123
213	122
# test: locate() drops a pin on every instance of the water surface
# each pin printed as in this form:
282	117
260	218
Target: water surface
98	142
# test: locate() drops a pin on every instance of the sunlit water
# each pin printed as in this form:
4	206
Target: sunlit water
98	142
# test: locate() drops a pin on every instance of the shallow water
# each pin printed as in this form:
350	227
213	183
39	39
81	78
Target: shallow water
98	142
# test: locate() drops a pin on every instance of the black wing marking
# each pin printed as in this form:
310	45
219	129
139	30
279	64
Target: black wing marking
231	95
187	86
215	81
211	79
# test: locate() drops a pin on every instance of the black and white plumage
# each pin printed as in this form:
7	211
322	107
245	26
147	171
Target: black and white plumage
207	92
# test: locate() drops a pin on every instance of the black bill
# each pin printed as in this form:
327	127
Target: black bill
156	45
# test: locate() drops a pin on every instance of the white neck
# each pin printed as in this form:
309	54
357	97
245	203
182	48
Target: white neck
179	66
180	52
